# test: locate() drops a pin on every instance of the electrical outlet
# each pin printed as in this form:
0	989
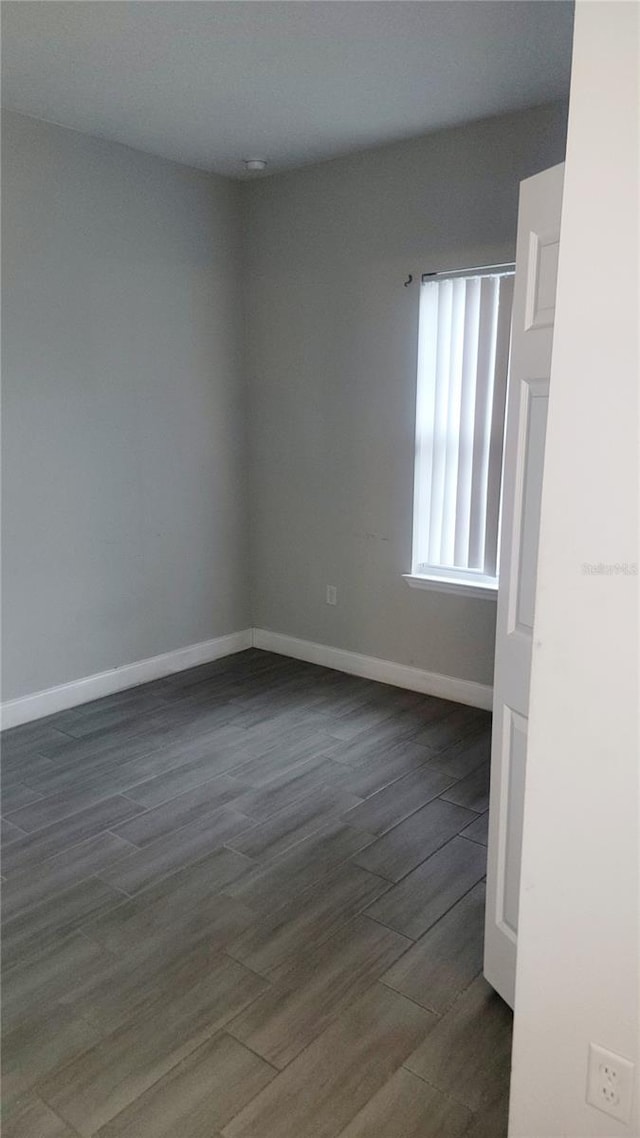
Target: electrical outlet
610	1082
332	595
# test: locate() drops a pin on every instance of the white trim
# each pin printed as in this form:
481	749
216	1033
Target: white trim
461	586
47	702
373	668
27	708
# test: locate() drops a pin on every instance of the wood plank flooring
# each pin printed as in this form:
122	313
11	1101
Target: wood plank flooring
246	901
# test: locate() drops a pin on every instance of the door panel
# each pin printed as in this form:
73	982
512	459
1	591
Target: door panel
534	402
517	739
530	366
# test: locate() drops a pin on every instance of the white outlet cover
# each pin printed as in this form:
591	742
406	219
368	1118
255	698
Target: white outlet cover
610	1082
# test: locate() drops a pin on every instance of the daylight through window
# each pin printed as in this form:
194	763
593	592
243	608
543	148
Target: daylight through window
463	351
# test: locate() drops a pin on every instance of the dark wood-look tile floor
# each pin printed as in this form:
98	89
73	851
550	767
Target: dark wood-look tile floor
247	901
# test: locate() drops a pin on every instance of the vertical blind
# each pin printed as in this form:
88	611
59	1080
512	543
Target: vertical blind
463	348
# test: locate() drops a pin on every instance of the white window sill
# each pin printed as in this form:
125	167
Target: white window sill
458	585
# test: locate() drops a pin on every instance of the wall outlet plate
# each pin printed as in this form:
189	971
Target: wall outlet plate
610	1082
332	595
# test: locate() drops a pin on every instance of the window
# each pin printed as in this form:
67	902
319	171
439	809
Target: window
463	350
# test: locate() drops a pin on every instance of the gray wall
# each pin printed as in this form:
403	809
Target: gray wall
138	297
123	414
331	361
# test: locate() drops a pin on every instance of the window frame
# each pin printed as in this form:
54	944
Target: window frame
448	579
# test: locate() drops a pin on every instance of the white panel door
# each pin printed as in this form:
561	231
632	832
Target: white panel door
532	337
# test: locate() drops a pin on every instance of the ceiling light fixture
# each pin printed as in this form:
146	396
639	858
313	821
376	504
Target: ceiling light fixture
254	165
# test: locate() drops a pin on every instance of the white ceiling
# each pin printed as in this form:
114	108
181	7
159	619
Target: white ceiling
211	82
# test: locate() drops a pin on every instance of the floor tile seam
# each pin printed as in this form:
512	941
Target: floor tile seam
468	838
412	812
261	859
69	926
185	826
399	880
327	1027
440	1091
32	803
426	1007
146	809
333	1018
459	778
38	866
356	765
39	1087
317	943
433	923
471	840
324	876
299	798
66	817
22	834
189	864
38	863
155	746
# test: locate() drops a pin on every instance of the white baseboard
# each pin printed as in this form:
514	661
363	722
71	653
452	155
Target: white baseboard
373	668
35	706
27	708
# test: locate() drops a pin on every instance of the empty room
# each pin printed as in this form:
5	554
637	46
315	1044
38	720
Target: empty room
320	612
